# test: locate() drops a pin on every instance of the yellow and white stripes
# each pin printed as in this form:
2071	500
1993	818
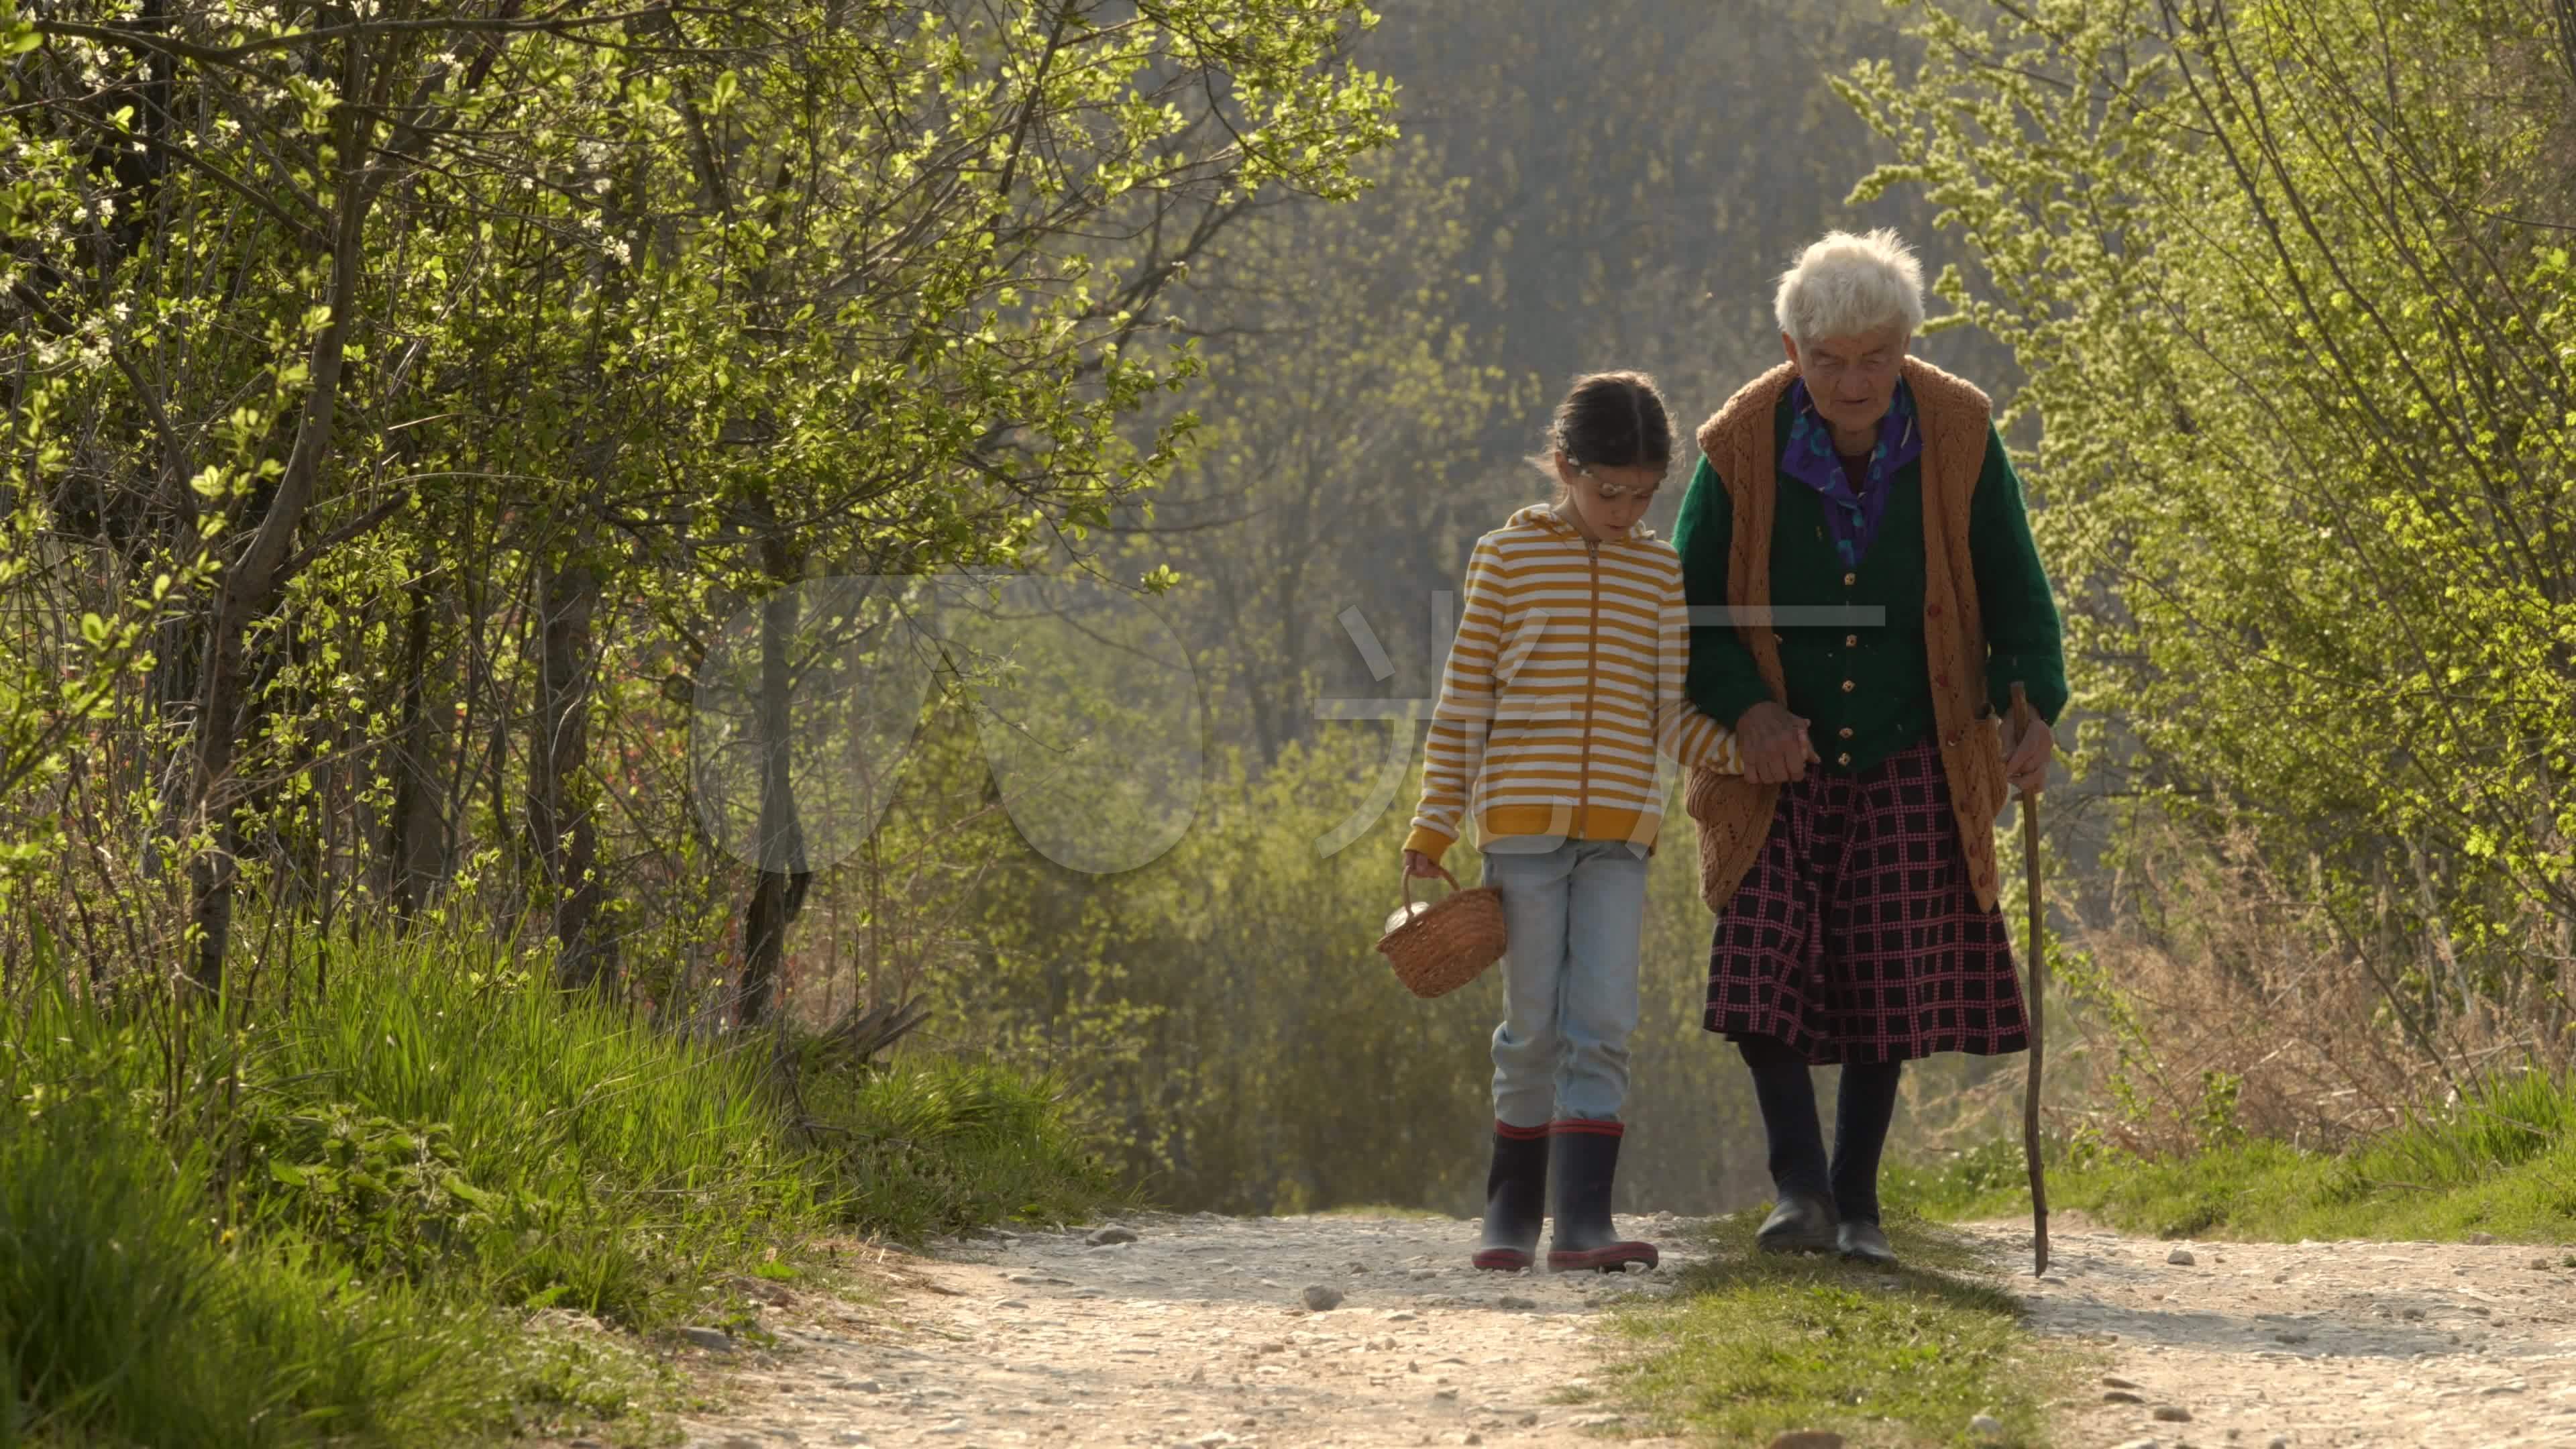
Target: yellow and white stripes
1564	685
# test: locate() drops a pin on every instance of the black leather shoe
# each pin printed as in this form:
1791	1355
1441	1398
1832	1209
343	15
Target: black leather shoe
1800	1224
1862	1242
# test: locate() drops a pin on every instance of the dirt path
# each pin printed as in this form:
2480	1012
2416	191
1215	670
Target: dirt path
1197	1333
2310	1344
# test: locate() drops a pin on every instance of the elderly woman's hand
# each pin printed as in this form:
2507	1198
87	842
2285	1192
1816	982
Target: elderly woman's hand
1774	744
2026	768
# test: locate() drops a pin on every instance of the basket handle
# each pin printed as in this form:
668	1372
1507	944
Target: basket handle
1407	878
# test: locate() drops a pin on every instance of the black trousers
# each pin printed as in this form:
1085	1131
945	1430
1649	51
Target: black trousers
1786	1090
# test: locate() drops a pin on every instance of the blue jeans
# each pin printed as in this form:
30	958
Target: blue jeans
1572	915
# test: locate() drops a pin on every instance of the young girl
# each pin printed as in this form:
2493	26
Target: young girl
1564	682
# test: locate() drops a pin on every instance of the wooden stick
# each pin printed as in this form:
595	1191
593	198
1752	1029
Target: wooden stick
2036	1004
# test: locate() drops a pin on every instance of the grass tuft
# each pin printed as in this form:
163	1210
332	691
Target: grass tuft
324	1219
939	1145
2502	1161
127	1318
1754	1345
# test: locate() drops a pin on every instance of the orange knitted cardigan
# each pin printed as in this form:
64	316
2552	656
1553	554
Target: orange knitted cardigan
1732	812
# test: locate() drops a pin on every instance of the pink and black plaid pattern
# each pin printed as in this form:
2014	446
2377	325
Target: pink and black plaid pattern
1855	937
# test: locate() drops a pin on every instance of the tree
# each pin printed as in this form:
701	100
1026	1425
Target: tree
2291	287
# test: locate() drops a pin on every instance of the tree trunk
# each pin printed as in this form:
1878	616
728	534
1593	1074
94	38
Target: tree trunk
562	827
250	585
415	832
779	843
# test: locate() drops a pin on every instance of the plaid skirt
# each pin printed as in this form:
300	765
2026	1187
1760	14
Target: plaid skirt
1856	937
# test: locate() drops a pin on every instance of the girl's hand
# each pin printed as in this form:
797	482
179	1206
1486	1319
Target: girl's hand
1418	864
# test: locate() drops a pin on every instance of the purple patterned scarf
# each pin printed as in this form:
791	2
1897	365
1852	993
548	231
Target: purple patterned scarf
1811	460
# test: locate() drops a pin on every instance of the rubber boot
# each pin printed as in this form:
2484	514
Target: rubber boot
1515	1198
1586	1164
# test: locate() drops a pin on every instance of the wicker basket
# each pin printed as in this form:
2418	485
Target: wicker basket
1437	948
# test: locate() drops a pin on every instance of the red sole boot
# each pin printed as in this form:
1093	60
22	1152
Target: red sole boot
1584	1164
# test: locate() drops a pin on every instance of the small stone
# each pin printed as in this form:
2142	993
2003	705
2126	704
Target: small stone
2141	1444
2121	1396
1445	1395
1111	1236
851	1437
2291	1335
2482	1239
2278	1441
1471	1437
2114	1381
1986	1426
1598	1421
2496	1390
1012	1303
2181	1258
1323	1298
1402	1315
1808	1439
953	1426
1508	1301
2170	1414
2411	1314
713	1340
762	1290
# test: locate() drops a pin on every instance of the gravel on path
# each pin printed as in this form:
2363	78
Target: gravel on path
2315	1345
1198	1332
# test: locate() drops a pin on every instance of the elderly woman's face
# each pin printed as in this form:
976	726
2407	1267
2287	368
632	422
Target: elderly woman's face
1852	379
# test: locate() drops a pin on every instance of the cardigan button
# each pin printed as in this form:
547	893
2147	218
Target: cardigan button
1843	759
1847	731
1849	686
1851	641
1850	579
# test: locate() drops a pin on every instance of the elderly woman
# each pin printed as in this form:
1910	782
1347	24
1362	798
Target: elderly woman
1855	517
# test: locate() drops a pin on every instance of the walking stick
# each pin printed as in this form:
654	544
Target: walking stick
2022	721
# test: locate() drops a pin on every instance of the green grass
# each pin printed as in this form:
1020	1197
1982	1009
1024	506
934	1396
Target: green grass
126	1319
327	1221
1754	1345
2503	1162
941	1145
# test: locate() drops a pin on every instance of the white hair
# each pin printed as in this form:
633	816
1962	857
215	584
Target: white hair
1848	286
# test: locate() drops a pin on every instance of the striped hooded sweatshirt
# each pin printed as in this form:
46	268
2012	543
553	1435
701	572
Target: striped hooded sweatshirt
1564	683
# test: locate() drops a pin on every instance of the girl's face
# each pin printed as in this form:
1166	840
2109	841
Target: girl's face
1604	503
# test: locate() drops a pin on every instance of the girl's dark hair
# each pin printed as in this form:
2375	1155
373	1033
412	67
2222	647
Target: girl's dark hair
1610	420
